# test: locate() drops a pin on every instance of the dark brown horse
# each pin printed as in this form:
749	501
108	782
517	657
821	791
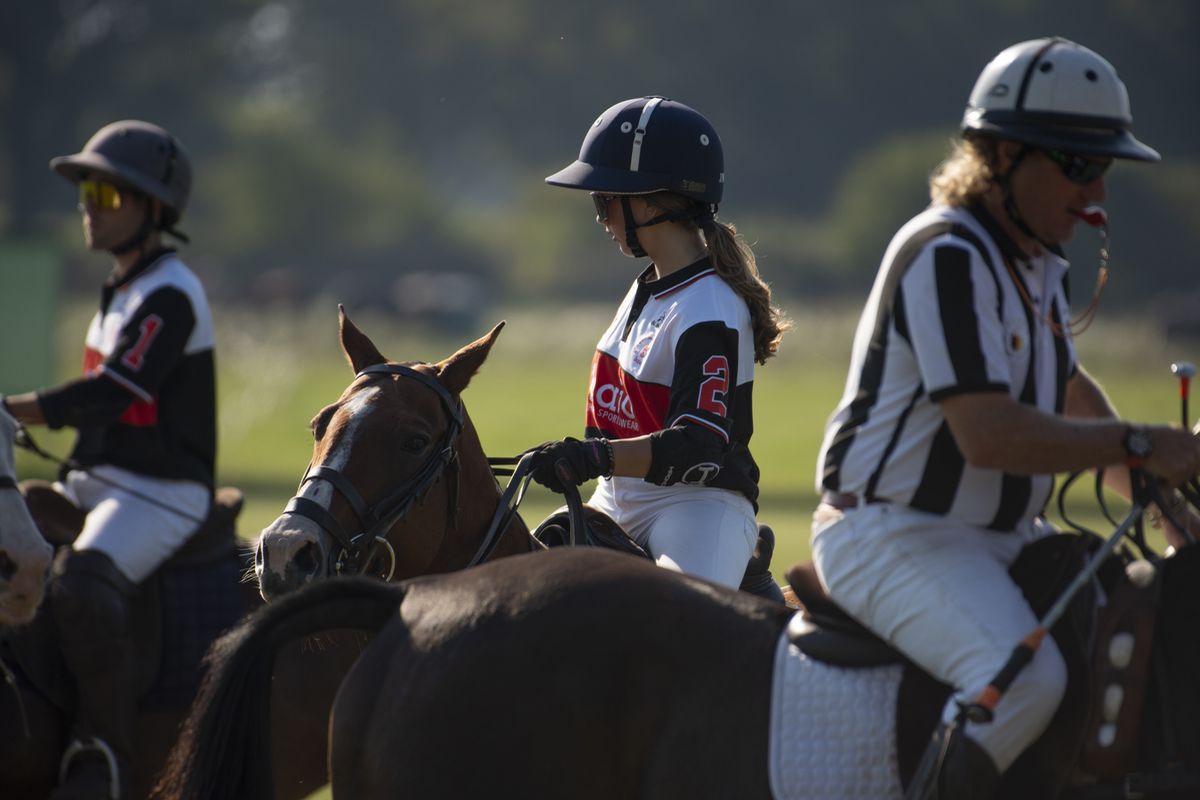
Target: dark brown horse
589	674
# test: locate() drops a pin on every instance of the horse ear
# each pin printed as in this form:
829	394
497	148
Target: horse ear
360	351
457	370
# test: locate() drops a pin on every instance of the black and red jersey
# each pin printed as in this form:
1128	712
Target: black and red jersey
680	352
147	401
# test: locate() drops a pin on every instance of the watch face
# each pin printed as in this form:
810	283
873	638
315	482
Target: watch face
1137	442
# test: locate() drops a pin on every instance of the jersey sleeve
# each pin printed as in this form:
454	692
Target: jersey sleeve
152	343
701	407
83	402
948	309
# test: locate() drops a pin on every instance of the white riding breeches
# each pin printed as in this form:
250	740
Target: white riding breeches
939	591
137	535
705	532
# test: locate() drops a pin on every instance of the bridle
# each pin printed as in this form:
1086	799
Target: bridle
357	550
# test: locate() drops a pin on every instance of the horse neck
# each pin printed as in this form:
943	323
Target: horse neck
478	498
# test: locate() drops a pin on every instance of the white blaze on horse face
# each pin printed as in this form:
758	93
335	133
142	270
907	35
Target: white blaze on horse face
355	410
289	532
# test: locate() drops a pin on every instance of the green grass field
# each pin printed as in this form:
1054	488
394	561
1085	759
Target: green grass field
278	368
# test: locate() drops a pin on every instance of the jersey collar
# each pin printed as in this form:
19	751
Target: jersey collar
676	280
143	264
1008	248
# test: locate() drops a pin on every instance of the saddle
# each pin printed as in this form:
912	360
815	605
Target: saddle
175	615
824	632
603	531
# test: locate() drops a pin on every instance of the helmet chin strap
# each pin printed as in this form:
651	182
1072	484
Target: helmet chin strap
700	213
139	236
1010	204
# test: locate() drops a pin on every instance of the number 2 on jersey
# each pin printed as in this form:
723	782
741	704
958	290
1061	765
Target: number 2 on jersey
713	389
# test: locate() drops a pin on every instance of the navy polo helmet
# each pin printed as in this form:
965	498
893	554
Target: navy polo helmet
646	145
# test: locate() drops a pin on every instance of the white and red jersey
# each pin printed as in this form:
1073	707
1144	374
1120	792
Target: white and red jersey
147	401
679	357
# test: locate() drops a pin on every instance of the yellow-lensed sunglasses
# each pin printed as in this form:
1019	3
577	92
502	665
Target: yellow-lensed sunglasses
99	194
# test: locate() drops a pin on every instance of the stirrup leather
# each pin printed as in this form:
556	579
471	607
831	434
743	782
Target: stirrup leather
96	745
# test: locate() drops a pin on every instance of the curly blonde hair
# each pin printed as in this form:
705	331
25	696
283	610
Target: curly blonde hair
966	174
734	261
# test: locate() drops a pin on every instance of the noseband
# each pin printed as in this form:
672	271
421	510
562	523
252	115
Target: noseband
375	521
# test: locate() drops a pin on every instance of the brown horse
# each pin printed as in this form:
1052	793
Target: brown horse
398	484
24	555
588	674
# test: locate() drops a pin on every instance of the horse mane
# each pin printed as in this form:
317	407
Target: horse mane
226	756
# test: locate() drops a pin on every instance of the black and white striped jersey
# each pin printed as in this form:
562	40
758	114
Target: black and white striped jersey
147	401
943	318
680	353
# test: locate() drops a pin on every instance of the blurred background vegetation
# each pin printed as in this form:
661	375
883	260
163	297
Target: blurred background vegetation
390	156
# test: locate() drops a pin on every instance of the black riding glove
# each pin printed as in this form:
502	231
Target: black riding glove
557	465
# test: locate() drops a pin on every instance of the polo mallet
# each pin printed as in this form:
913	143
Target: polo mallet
1186	370
982	708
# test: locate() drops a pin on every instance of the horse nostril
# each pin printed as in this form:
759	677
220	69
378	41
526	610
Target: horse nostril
308	559
8	567
259	559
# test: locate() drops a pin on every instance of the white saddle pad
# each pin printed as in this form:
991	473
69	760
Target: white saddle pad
833	730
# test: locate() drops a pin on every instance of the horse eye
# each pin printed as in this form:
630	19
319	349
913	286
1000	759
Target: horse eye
321	421
416	444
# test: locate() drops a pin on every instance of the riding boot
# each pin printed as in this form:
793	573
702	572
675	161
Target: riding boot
954	767
758	579
89	600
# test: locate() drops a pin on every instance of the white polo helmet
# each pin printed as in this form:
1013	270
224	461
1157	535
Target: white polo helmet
1056	94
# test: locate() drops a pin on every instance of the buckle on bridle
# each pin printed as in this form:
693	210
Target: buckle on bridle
350	560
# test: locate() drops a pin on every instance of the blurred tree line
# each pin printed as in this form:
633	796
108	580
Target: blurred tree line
393	152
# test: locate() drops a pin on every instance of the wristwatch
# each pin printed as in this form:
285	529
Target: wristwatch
1138	445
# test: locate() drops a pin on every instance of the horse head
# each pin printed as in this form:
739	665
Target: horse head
395	472
24	554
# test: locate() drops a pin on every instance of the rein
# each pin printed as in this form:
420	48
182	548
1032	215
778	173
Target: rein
357	550
514	493
25	441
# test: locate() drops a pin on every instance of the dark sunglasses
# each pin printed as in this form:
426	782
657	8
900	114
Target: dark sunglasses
1078	169
602	201
99	194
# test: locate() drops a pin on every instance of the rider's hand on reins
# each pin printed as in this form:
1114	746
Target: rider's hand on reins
571	462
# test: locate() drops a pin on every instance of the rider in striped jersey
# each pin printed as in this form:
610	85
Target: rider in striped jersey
964	397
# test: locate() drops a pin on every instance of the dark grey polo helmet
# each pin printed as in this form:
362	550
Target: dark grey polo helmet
1054	93
139	154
